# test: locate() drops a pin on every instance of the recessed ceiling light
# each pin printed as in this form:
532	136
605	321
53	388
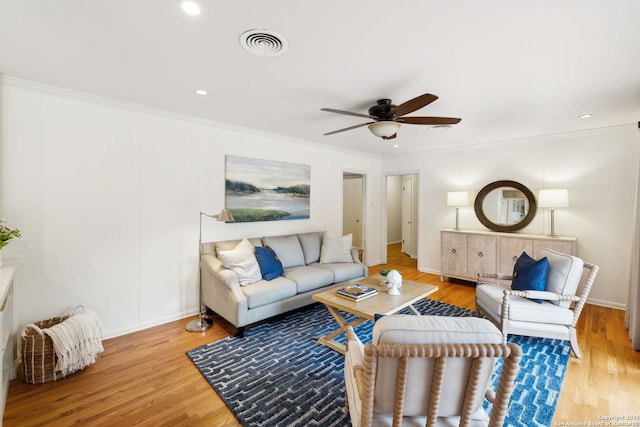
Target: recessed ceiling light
190	7
585	116
200	92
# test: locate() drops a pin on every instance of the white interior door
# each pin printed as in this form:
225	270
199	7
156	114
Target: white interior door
407	215
352	202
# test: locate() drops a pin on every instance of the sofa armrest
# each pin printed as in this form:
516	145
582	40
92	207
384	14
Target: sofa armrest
221	291
355	255
220	273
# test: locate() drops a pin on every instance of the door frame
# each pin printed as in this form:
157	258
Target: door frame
384	213
359	174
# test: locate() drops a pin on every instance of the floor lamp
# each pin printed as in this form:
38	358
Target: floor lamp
553	198
200	324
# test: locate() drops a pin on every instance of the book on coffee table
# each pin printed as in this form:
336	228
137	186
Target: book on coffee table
356	292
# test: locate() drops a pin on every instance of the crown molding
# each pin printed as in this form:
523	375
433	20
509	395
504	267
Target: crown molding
142	109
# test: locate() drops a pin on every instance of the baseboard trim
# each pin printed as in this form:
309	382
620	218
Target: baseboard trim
151	324
608	304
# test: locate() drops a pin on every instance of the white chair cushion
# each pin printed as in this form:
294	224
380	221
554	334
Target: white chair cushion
489	297
565	272
410	329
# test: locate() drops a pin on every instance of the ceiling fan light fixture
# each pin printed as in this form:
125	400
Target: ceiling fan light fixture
384	129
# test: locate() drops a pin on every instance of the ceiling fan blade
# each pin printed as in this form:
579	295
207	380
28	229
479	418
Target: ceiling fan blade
349	128
348	113
413	105
429	120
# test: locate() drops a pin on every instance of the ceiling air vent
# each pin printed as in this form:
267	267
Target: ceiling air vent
263	43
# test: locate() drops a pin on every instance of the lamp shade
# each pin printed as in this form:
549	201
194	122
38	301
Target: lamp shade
553	198
384	129
224	215
458	198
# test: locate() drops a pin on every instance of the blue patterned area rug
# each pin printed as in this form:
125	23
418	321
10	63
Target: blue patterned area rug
277	375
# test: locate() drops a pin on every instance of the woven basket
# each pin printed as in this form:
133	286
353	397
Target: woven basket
38	356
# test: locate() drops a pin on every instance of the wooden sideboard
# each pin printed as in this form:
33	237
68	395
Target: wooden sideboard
465	253
7	331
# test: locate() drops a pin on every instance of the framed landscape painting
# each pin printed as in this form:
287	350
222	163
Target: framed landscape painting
266	190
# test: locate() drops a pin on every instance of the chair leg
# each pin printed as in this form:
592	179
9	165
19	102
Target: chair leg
574	342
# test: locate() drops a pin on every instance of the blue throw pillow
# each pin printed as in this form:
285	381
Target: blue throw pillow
270	265
530	275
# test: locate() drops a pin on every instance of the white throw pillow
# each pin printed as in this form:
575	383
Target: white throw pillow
243	262
336	249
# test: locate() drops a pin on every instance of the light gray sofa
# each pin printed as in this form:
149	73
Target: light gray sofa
304	275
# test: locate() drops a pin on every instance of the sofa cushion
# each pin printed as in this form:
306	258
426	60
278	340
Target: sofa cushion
565	272
287	248
343	271
311	243
270	265
335	249
308	278
267	292
242	261
530	275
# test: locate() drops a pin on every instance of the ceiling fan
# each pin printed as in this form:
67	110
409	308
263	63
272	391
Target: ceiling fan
387	117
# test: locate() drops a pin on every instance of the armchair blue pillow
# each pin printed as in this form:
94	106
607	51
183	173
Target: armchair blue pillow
270	265
530	275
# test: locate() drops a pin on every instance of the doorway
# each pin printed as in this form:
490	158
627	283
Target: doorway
353	207
402	212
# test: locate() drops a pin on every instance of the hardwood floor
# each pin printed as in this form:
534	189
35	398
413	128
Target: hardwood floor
146	379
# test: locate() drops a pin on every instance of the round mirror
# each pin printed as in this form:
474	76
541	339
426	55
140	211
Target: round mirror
505	206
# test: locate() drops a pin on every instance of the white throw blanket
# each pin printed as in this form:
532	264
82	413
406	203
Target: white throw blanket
76	341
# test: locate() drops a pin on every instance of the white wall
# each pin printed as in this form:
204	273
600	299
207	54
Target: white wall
598	168
107	197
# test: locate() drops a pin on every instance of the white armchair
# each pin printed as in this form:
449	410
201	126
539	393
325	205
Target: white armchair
556	316
428	370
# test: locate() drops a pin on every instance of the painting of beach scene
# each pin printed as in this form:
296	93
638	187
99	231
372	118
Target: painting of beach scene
267	190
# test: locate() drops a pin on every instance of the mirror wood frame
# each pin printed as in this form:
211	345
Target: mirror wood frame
477	206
